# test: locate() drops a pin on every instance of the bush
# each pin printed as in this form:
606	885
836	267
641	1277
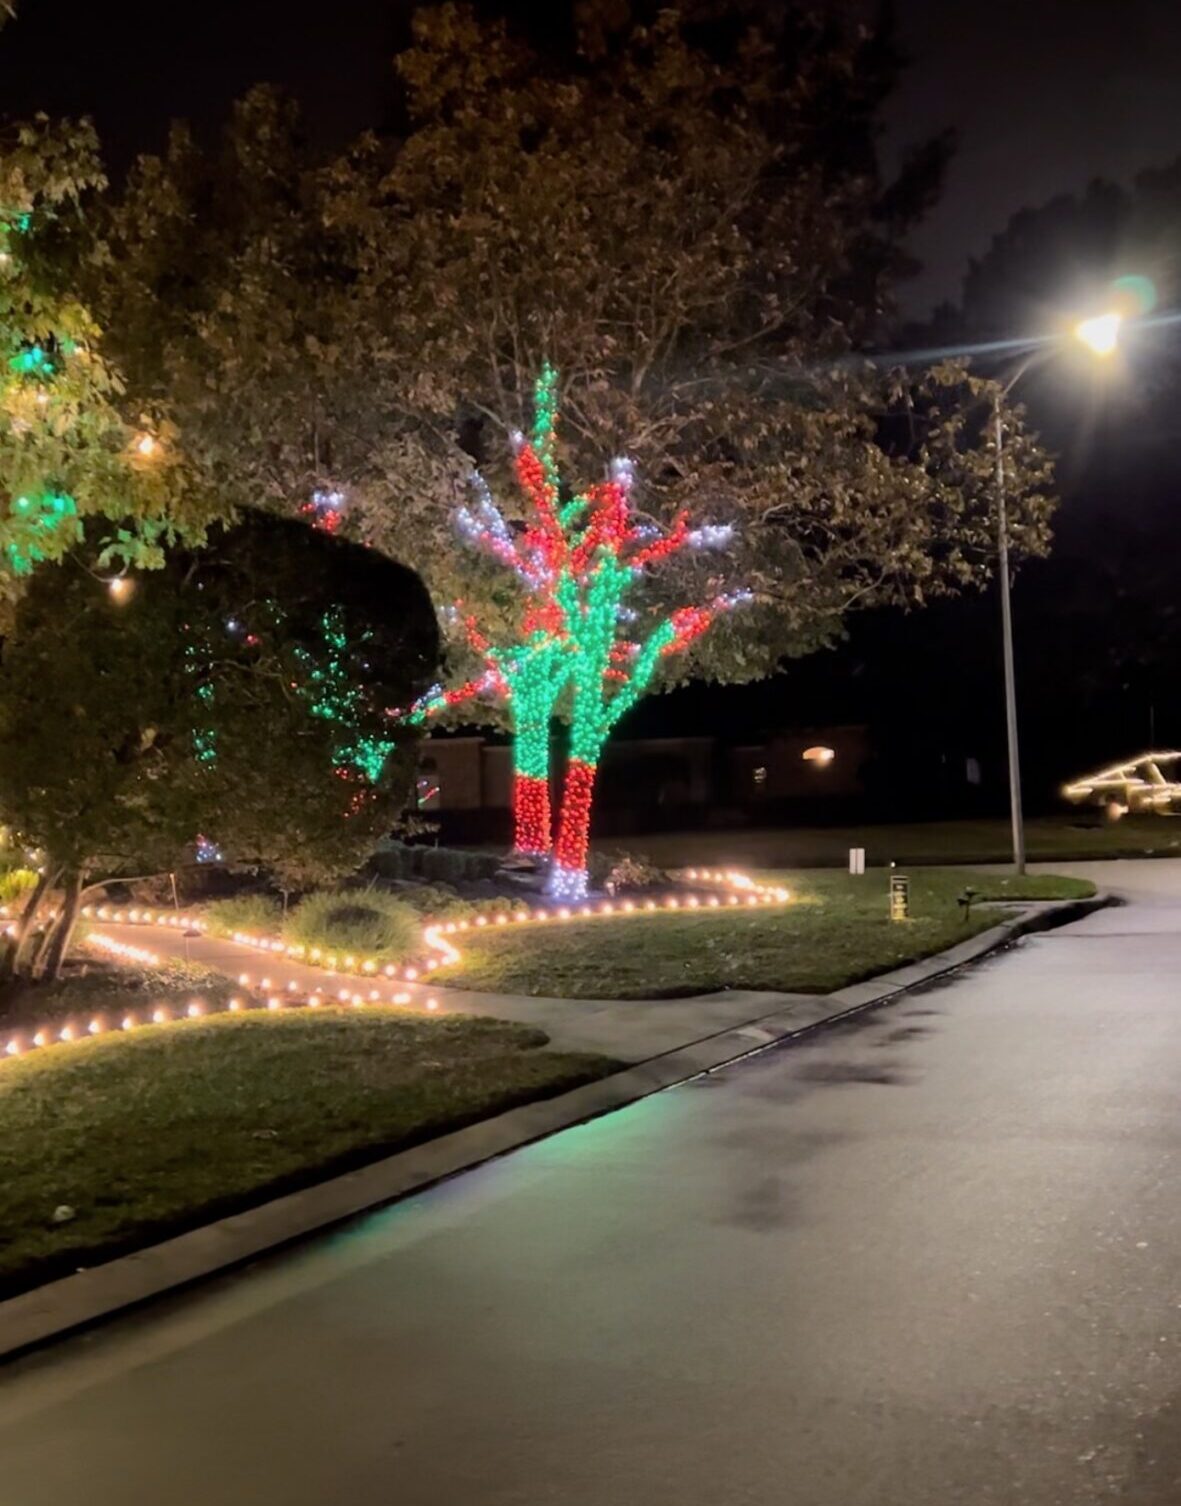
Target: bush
15	884
242	912
438	902
445	865
367	922
618	872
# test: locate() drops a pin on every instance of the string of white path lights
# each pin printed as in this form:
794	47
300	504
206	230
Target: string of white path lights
439	946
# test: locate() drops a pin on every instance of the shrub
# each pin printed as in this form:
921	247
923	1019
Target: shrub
438	902
368	922
243	912
15	884
620	871
444	865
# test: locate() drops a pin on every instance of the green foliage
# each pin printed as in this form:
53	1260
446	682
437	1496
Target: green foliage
109	711
440	902
243	912
305	642
71	448
697	235
444	865
15	883
368	922
92	711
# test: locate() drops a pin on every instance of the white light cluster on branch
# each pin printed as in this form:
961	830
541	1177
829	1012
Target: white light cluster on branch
710	536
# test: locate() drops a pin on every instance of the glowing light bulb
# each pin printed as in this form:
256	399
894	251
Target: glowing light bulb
1100	334
146	445
121	589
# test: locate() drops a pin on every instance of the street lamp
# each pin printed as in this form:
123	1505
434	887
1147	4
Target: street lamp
1100	335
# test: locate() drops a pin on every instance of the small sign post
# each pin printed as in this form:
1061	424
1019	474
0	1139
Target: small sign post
856	859
899	896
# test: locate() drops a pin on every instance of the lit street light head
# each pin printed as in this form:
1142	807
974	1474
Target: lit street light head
1100	334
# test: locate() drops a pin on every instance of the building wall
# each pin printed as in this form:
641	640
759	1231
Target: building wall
778	770
655	781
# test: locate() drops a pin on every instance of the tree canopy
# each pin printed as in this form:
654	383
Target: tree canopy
73	449
685	216
240	692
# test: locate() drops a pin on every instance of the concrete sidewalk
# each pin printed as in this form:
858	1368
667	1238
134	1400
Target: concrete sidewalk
629	1030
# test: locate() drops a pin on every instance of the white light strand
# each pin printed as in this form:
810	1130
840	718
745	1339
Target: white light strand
437	949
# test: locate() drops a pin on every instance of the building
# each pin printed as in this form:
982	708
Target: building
659	783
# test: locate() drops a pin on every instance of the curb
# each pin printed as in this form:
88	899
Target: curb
60	1307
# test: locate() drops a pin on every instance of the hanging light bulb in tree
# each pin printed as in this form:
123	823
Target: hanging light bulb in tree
121	588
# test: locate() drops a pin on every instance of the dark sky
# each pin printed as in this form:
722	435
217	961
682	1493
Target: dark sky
1045	93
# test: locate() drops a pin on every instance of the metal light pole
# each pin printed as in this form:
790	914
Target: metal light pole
1002	526
1101	336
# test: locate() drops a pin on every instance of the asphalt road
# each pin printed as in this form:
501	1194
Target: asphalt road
931	1257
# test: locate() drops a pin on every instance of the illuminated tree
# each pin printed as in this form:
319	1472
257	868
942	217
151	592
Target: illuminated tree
530	668
241	691
69	453
612	669
579	563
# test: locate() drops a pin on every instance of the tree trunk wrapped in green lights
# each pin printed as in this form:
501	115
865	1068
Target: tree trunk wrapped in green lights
530	672
578	562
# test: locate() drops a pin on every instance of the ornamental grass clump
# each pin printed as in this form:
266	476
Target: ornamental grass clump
257	914
367	922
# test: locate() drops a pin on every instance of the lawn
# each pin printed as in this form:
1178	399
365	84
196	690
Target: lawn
1068	838
836	932
145	1135
110	989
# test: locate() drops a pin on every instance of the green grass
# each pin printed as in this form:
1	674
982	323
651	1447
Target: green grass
1074	837
149	1134
111	989
837	931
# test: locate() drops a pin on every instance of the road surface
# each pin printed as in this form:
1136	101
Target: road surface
929	1258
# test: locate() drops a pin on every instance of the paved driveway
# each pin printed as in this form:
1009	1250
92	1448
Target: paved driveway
928	1258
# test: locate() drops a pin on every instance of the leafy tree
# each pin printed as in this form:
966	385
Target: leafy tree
305	645
236	288
70	452
686	217
241	692
695	233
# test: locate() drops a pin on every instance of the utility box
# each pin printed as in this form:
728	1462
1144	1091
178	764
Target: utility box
856	859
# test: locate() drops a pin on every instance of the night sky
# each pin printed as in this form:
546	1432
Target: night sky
1044	93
